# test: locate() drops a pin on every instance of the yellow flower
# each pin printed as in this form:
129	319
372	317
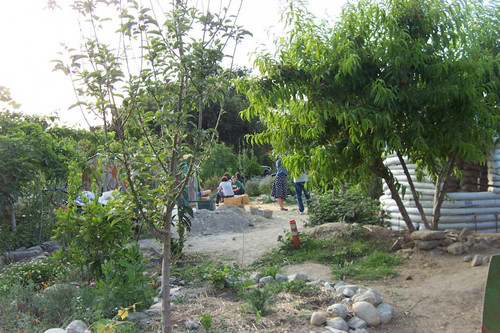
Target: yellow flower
123	314
133	307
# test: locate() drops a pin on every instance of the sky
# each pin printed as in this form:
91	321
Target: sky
31	37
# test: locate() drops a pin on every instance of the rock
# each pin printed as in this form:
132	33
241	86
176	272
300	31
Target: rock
339	284
267	213
333	330
136	316
266	279
346	301
255	277
467	258
486	259
386	313
338	310
427	235
478	247
55	330
348	292
408	245
318	318
356	323
406	252
371	296
76	326
428	244
360	330
456	248
338	323
361	291
397	245
50	246
328	286
477	260
281	278
465	232
409	277
298	276
353	287
367	312
191	325
313	283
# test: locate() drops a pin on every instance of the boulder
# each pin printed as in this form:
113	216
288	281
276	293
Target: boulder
318	318
338	310
371	296
338	323
457	248
386	313
427	244
76	326
367	312
427	235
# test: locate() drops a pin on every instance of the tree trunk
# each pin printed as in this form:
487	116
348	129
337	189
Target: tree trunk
440	190
381	170
165	280
413	191
12	216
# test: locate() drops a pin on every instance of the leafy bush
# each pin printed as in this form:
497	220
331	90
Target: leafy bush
270	270
44	271
349	208
222	159
259	299
123	283
93	233
222	277
252	187
266	185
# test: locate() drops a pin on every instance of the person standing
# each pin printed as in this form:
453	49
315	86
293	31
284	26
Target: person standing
300	187
280	190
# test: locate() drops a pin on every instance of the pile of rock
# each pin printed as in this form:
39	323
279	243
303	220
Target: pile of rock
359	309
33	253
445	241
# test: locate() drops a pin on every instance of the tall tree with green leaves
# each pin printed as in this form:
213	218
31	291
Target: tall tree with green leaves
151	94
416	78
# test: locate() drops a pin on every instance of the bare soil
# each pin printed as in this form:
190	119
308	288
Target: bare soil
433	292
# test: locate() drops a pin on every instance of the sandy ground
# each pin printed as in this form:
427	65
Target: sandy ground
432	293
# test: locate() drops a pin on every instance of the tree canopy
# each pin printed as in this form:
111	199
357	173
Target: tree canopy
412	77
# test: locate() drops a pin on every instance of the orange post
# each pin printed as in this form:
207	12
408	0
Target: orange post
295	234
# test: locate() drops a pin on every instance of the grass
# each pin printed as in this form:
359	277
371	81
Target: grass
350	254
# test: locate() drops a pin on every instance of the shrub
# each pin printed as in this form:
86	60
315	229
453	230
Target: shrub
44	271
252	187
266	185
222	159
350	208
222	276
123	283
259	300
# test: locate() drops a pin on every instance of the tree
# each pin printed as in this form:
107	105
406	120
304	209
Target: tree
147	113
411	77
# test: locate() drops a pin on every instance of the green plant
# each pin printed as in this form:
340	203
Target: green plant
221	159
252	187
206	321
270	270
124	284
374	266
222	276
259	299
93	233
350	208
46	271
295	286
266	185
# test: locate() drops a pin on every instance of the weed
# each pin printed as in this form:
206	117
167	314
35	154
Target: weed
375	266
259	300
206	321
271	270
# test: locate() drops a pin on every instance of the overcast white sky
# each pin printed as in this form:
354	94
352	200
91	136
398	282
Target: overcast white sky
30	38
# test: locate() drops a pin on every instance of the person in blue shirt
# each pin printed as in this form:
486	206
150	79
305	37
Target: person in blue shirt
280	189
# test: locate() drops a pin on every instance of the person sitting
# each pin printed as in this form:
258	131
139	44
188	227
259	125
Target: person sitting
240	177
238	187
225	190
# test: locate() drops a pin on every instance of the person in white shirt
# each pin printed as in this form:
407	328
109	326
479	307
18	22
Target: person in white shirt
225	190
300	186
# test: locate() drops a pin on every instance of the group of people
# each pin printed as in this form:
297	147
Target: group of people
230	186
280	188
